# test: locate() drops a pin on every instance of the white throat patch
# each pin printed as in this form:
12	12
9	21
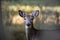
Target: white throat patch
27	27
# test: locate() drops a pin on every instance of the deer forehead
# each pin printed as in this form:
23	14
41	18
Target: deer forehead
29	16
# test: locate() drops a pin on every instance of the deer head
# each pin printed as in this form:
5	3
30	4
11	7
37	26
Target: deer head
28	18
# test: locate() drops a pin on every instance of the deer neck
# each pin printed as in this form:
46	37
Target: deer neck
32	27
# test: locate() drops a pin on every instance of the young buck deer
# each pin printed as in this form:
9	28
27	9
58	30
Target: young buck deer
31	32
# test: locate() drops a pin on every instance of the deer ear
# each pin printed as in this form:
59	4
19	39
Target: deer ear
35	13
21	13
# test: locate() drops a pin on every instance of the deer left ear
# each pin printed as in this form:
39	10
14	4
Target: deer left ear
21	13
35	13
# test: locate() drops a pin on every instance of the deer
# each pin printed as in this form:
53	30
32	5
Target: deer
31	32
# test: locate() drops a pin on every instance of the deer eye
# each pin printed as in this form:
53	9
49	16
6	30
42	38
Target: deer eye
24	18
31	18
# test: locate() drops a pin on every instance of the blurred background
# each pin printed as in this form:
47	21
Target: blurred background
13	24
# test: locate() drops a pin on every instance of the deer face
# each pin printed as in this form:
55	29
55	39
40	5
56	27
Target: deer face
28	18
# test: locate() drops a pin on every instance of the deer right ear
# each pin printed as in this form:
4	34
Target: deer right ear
35	13
21	13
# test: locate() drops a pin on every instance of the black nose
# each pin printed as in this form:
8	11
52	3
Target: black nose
28	24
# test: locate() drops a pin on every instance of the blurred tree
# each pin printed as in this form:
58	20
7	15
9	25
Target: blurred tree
2	35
